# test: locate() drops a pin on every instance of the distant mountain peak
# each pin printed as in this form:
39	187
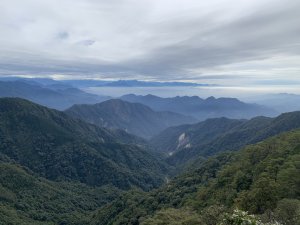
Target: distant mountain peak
135	118
58	96
59	147
202	109
211	98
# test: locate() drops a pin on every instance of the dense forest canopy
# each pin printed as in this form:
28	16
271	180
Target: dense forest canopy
59	170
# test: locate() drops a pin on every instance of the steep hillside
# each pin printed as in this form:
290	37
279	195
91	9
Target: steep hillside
202	108
182	137
26	199
54	96
135	118
212	136
262	179
58	147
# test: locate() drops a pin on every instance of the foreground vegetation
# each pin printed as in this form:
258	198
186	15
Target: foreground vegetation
28	199
262	179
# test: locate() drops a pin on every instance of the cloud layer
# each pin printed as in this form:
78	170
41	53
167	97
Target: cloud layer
221	41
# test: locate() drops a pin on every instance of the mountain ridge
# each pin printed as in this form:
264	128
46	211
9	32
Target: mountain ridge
58	147
202	109
238	133
54	95
135	118
260	179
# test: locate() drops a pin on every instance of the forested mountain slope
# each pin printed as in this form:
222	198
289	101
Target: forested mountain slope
135	118
26	199
214	135
182	137
262	179
58	147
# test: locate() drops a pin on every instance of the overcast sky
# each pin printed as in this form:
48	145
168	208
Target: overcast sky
253	42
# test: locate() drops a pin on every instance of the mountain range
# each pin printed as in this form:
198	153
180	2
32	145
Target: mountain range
57	169
137	83
103	83
53	95
143	160
60	148
134	118
202	108
63	94
190	142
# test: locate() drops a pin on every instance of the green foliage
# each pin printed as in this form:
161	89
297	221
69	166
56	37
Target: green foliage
135	118
212	136
196	135
256	179
57	170
28	199
288	210
58	148
174	217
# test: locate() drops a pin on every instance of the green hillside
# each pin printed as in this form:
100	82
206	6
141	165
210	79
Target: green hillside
135	118
58	170
58	147
28	199
192	142
175	139
262	179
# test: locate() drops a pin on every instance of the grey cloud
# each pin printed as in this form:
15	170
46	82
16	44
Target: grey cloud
257	37
63	35
86	42
156	41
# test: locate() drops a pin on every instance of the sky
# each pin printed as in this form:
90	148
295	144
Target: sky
224	42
